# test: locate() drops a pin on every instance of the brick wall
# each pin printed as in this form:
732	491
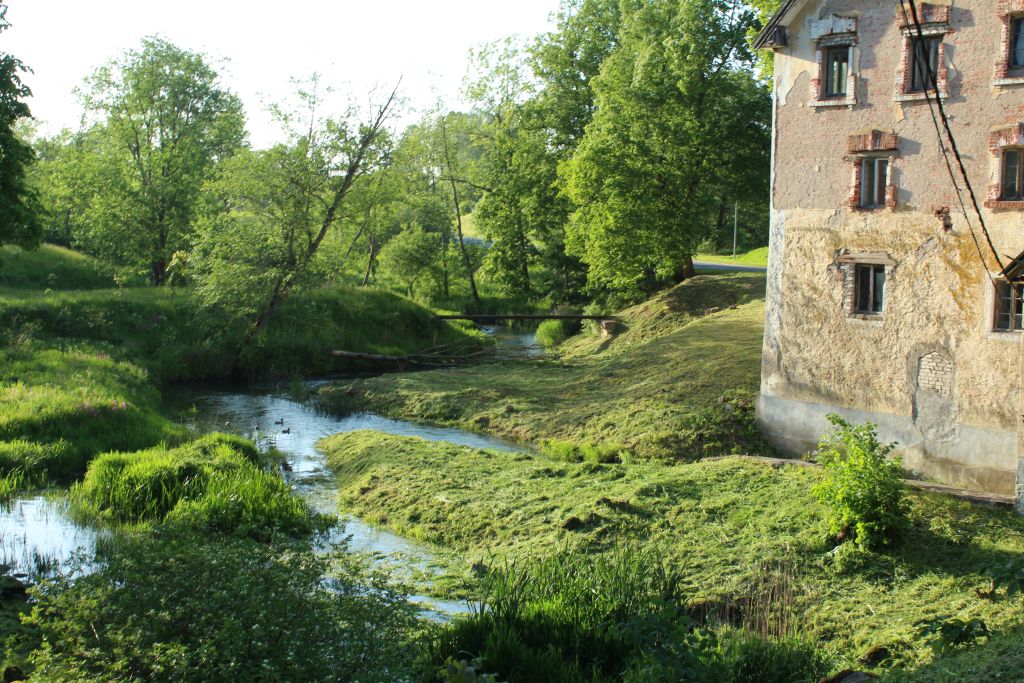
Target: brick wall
935	373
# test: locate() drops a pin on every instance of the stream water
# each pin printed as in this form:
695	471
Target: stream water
37	535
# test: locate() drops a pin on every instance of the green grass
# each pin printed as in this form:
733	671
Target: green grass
213	484
724	524
58	409
754	257
50	267
674	383
166	332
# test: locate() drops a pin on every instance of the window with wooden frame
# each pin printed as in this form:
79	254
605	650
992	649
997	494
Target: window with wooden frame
924	68
874	182
1009	307
1015	59
869	293
837	72
1011	175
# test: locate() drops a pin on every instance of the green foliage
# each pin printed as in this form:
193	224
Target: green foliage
551	333
863	488
671	138
411	254
171	607
947	634
165	121
19	222
1008	575
270	212
212	484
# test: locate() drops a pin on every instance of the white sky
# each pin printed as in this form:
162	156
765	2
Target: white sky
355	44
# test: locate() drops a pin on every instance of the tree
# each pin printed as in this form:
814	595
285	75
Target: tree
269	212
19	222
677	106
164	122
409	255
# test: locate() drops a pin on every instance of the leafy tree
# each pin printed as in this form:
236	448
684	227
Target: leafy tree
410	254
677	105
19	222
163	123
269	212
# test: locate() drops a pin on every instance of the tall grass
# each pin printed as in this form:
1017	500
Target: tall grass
212	484
621	617
51	267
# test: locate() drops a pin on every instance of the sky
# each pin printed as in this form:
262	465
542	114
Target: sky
258	46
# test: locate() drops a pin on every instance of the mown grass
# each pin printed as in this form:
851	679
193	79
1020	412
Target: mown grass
676	382
211	485
754	257
721	523
50	267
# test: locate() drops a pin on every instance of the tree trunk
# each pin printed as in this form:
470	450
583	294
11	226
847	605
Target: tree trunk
685	269
158	271
369	261
458	215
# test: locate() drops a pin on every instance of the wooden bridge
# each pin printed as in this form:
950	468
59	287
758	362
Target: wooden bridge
490	318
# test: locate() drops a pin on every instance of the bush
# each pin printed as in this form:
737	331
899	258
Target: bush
171	607
750	658
212	484
551	333
863	489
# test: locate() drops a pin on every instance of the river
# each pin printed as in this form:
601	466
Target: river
37	536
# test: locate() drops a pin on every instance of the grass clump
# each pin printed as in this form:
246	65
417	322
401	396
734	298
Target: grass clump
863	487
173	607
213	484
551	333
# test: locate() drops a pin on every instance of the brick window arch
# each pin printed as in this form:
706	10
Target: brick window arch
1006	189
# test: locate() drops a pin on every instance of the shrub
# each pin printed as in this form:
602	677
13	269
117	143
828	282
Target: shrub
551	333
171	607
863	488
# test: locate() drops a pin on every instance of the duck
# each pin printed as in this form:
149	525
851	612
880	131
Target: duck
286	430
279	422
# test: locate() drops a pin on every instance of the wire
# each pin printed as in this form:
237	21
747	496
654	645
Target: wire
932	80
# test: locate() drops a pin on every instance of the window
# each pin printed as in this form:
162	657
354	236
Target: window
874	177
1009	307
870	293
1010	186
925	63
837	71
1017	42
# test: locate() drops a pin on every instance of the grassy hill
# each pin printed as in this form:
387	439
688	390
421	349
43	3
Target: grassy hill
50	267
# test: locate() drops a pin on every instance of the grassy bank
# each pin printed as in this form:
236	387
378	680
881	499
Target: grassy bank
754	257
730	527
677	381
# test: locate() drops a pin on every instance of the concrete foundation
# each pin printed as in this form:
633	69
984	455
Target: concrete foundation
980	459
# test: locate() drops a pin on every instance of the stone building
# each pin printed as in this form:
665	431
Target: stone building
880	303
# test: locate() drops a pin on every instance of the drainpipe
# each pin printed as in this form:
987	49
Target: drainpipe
1020	486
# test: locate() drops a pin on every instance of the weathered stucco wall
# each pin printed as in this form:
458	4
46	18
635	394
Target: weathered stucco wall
929	370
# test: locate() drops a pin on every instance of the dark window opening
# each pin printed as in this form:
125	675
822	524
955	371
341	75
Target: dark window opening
925	67
1017	42
870	282
837	71
874	176
1011	185
1009	307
